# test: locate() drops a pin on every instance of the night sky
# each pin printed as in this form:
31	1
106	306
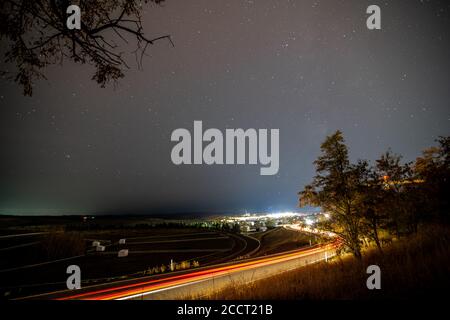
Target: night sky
305	67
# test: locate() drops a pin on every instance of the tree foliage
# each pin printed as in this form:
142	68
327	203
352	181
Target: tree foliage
391	196
433	167
337	189
36	36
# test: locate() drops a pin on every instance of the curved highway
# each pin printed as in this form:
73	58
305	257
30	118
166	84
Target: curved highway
201	281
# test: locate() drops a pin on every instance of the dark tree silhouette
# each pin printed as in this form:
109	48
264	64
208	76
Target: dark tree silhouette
36	35
338	188
434	168
391	198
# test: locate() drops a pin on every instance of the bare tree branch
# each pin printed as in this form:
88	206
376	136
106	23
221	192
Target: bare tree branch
36	34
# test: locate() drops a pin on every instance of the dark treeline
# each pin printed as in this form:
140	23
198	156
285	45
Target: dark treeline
93	226
89	226
375	203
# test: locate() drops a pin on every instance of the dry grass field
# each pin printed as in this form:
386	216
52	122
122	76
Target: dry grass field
36	261
414	267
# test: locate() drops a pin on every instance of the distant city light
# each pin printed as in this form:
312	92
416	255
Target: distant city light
275	215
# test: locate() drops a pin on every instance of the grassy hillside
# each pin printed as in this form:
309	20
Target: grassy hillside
414	267
281	239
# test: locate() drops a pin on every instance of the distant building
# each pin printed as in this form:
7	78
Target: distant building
122	253
95	243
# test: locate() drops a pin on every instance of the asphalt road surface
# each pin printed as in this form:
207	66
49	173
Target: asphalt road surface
201	281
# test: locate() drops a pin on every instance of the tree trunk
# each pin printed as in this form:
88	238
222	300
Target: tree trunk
357	250
357	253
375	236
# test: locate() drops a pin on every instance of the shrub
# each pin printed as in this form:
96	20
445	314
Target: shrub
57	245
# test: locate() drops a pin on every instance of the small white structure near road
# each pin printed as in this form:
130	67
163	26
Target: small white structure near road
95	243
100	248
122	241
123	253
